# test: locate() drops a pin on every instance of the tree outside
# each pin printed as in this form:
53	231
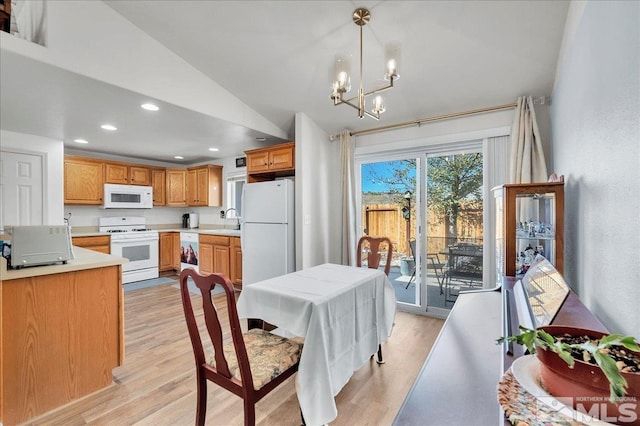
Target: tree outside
454	185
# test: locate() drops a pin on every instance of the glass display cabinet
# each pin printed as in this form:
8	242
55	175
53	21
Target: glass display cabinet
529	221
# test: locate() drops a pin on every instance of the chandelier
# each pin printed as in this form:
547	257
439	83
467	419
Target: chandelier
342	81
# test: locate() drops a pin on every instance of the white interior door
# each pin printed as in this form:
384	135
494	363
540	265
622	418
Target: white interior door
21	189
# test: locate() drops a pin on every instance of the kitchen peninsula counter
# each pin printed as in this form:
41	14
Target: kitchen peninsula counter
61	332
84	259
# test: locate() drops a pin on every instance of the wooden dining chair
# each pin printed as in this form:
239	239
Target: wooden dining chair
251	365
374	251
374	248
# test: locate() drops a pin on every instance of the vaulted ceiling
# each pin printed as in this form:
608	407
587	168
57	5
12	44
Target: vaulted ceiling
276	57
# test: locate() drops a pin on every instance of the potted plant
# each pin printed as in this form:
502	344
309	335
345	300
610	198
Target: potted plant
600	372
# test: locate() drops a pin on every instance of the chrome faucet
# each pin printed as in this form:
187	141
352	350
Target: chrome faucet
226	212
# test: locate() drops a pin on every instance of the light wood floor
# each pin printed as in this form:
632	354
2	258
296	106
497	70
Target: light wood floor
156	385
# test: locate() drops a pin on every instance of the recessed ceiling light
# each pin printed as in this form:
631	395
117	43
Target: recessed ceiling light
261	139
80	141
178	157
214	149
109	127
149	107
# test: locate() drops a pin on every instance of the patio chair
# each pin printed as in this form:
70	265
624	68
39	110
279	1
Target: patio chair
374	255
464	266
433	263
412	246
438	268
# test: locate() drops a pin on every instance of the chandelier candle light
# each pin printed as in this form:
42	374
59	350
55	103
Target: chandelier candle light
342	82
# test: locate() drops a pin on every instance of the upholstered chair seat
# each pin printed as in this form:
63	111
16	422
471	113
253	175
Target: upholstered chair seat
269	355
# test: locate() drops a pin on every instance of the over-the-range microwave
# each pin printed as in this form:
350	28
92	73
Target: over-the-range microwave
127	196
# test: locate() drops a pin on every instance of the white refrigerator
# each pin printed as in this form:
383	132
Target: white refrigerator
268	232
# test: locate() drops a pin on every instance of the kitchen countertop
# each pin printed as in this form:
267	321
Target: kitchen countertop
84	259
89	231
222	232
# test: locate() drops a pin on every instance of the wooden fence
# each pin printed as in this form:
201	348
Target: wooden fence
387	220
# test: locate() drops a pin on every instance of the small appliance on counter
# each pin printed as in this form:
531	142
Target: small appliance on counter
194	219
190	220
40	245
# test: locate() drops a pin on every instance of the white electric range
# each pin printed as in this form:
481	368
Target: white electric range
130	238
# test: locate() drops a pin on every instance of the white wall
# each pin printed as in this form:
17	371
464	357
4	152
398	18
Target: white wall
318	195
53	152
80	32
596	139
453	130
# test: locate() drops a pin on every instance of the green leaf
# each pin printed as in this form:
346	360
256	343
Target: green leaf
546	337
609	340
566	357
617	383
630	343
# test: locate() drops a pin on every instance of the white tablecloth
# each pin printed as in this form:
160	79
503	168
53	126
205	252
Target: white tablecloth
343	313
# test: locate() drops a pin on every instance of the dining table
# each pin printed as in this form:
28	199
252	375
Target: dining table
342	312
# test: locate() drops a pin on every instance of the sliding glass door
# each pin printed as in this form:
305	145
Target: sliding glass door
454	216
429	204
389	209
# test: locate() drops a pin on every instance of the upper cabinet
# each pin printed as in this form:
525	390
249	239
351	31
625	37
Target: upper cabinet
127	174
265	164
159	185
176	187
83	181
203	186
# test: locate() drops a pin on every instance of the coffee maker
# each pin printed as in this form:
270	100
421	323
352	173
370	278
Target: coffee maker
185	220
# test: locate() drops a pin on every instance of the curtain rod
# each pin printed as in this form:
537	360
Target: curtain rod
428	120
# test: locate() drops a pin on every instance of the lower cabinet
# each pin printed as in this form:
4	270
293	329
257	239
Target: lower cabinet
221	255
236	263
169	251
101	243
214	254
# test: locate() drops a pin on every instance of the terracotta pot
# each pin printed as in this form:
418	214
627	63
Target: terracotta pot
586	384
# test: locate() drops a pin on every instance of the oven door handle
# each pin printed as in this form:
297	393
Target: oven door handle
134	240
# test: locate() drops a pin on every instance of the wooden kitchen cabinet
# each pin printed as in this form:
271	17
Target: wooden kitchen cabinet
214	255
62	336
204	186
101	243
159	186
268	163
169	250
83	181
176	187
235	263
127	174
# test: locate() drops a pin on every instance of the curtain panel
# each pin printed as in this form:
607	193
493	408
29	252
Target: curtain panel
348	199
527	163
